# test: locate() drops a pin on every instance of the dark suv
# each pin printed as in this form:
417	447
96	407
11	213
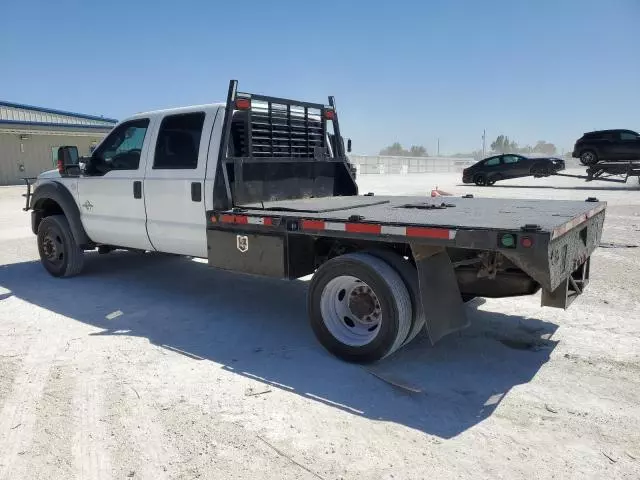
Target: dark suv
611	145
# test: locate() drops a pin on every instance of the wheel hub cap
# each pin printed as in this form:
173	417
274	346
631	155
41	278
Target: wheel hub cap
49	247
52	248
364	304
351	310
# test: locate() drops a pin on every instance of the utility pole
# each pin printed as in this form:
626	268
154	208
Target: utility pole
438	146
484	142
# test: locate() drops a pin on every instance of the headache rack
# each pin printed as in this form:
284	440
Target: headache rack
275	149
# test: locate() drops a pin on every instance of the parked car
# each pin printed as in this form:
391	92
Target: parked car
510	165
608	145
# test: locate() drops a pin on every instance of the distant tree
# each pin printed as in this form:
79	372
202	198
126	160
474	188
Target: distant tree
502	144
545	148
417	151
396	150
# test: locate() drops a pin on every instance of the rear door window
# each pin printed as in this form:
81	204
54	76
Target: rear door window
179	141
510	159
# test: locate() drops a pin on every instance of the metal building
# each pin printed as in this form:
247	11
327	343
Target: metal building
30	137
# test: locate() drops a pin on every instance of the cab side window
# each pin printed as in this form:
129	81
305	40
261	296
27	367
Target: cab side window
121	149
179	141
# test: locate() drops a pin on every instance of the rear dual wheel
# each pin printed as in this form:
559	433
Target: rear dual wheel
360	307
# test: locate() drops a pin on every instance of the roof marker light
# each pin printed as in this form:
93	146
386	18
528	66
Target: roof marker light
243	103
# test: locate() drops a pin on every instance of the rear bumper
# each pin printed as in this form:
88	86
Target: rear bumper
558	167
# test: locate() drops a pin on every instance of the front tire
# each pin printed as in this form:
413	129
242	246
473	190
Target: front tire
480	180
59	253
588	157
359	308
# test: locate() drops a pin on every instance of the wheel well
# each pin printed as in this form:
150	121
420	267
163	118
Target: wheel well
49	207
326	248
45	208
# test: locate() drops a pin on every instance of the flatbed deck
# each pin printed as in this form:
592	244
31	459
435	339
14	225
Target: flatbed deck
441	212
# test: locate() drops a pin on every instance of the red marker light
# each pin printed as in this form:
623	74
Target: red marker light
329	114
243	103
526	242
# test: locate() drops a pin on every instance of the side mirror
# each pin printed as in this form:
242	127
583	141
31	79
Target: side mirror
67	157
348	145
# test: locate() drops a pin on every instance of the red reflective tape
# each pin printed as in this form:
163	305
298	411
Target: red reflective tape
440	233
213	219
268	222
363	228
312	225
234	219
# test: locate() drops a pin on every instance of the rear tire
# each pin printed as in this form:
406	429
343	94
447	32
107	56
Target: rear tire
491	181
480	180
588	157
359	308
409	275
59	253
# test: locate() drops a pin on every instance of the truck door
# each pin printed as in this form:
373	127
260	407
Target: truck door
110	190
174	183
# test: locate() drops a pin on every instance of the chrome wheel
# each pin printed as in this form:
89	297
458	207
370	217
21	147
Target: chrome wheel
351	311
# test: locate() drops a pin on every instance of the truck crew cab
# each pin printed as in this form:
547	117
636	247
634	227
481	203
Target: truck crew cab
260	185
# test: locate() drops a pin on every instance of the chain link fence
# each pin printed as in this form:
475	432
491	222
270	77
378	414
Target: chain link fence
378	164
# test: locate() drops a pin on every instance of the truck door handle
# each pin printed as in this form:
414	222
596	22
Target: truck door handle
137	189
196	192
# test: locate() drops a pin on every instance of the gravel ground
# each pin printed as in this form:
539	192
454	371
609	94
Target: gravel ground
158	367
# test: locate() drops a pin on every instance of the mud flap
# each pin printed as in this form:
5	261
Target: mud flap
441	301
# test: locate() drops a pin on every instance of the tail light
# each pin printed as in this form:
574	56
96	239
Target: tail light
329	114
526	242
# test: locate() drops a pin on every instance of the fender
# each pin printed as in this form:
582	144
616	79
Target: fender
58	193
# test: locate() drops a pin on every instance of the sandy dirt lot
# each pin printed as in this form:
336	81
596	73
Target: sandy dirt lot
154	367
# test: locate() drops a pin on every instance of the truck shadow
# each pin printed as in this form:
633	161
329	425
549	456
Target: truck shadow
258	328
